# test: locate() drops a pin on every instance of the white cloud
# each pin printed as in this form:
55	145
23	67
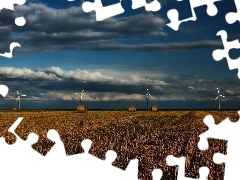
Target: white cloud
26	73
108	76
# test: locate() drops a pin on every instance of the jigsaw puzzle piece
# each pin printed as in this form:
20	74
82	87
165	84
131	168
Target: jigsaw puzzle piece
4	145
180	162
173	14
102	12
13	156
230	160
219	54
216	131
20	146
103	169
231	130
153	6
232	17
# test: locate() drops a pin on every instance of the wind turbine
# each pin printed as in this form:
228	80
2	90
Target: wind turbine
219	98
18	98
148	94
80	96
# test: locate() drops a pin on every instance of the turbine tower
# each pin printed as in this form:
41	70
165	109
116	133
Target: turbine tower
18	98
148	94
80	96
219	98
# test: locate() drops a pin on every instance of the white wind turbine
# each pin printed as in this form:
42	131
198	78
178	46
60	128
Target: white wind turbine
148	95
18	98
80	96
219	98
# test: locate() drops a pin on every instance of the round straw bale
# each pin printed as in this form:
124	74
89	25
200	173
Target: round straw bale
82	109
154	108
132	108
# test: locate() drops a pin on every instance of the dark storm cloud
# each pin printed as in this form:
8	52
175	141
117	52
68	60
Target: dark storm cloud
62	29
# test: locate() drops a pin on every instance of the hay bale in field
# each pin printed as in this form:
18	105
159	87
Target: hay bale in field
15	109
82	109
132	109
154	108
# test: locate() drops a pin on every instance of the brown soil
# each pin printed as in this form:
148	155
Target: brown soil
148	136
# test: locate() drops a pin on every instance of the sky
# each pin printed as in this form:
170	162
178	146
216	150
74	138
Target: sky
64	50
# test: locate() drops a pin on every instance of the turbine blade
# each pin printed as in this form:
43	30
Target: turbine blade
216	98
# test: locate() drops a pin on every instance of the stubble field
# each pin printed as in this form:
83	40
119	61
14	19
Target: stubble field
148	136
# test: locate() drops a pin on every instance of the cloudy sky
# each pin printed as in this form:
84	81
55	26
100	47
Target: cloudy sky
65	50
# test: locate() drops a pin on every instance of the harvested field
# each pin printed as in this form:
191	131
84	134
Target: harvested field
145	135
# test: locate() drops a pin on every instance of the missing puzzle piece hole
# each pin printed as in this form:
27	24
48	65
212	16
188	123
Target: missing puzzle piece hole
203	145
212	10
4	90
204	172
20	21
209	121
32	138
157	174
87	7
53	135
86	145
110	156
218	158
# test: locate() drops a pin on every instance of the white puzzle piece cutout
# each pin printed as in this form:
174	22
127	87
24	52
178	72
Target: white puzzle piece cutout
152	6
173	14
232	17
102	13
180	162
226	130
12	46
4	90
219	54
20	21
103	169
20	157
9	4
157	174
